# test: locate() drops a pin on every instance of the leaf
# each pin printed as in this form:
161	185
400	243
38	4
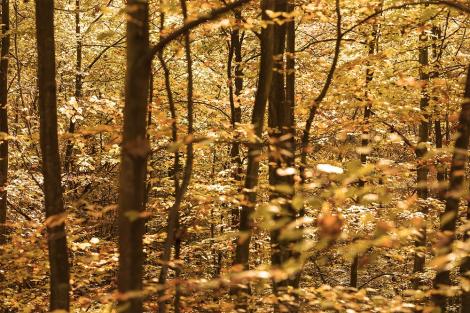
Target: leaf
105	35
327	168
289	171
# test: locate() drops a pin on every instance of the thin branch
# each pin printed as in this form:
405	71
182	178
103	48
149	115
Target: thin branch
393	129
374	278
96	59
17	210
214	14
324	91
451	4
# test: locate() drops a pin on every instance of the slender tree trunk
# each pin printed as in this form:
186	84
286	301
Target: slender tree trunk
4	116
235	105
282	156
421	150
465	266
78	85
305	140
453	195
173	216
148	187
18	69
372	47
441	168
254	152
54	203
178	243
135	148
290	102
437	53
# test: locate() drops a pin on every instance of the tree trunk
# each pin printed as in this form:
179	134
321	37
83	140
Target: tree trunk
453	195
54	203
421	150
437	53
465	266
173	216
305	140
281	156
254	151
235	106
4	117
135	148
372	46
441	168
78	85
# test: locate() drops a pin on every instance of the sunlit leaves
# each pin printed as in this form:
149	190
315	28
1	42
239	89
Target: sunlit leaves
327	168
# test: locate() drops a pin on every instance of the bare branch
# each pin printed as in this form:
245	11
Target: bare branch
214	14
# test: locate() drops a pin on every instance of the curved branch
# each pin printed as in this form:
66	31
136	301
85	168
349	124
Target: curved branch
324	91
96	59
214	14
374	278
451	4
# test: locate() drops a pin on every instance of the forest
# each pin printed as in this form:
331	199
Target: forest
242	156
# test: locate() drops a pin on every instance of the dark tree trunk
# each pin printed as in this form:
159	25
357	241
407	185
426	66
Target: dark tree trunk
4	117
172	238
372	47
305	140
421	150
281	156
54	203
441	166
78	85
254	152
290	102
454	194
437	53
135	148
235	105
465	266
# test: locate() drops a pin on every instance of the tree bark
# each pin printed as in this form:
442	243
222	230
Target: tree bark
453	195
135	148
305	140
78	85
372	47
4	117
173	216
54	203
437	52
242	252
421	150
465	266
235	105
281	155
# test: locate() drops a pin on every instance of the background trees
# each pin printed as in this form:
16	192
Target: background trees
281	152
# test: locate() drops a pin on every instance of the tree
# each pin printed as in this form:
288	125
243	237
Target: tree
4	116
54	202
135	148
180	187
177	197
235	78
372	46
453	195
282	150
78	84
242	253
421	150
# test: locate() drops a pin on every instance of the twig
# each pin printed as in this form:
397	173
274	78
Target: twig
214	14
